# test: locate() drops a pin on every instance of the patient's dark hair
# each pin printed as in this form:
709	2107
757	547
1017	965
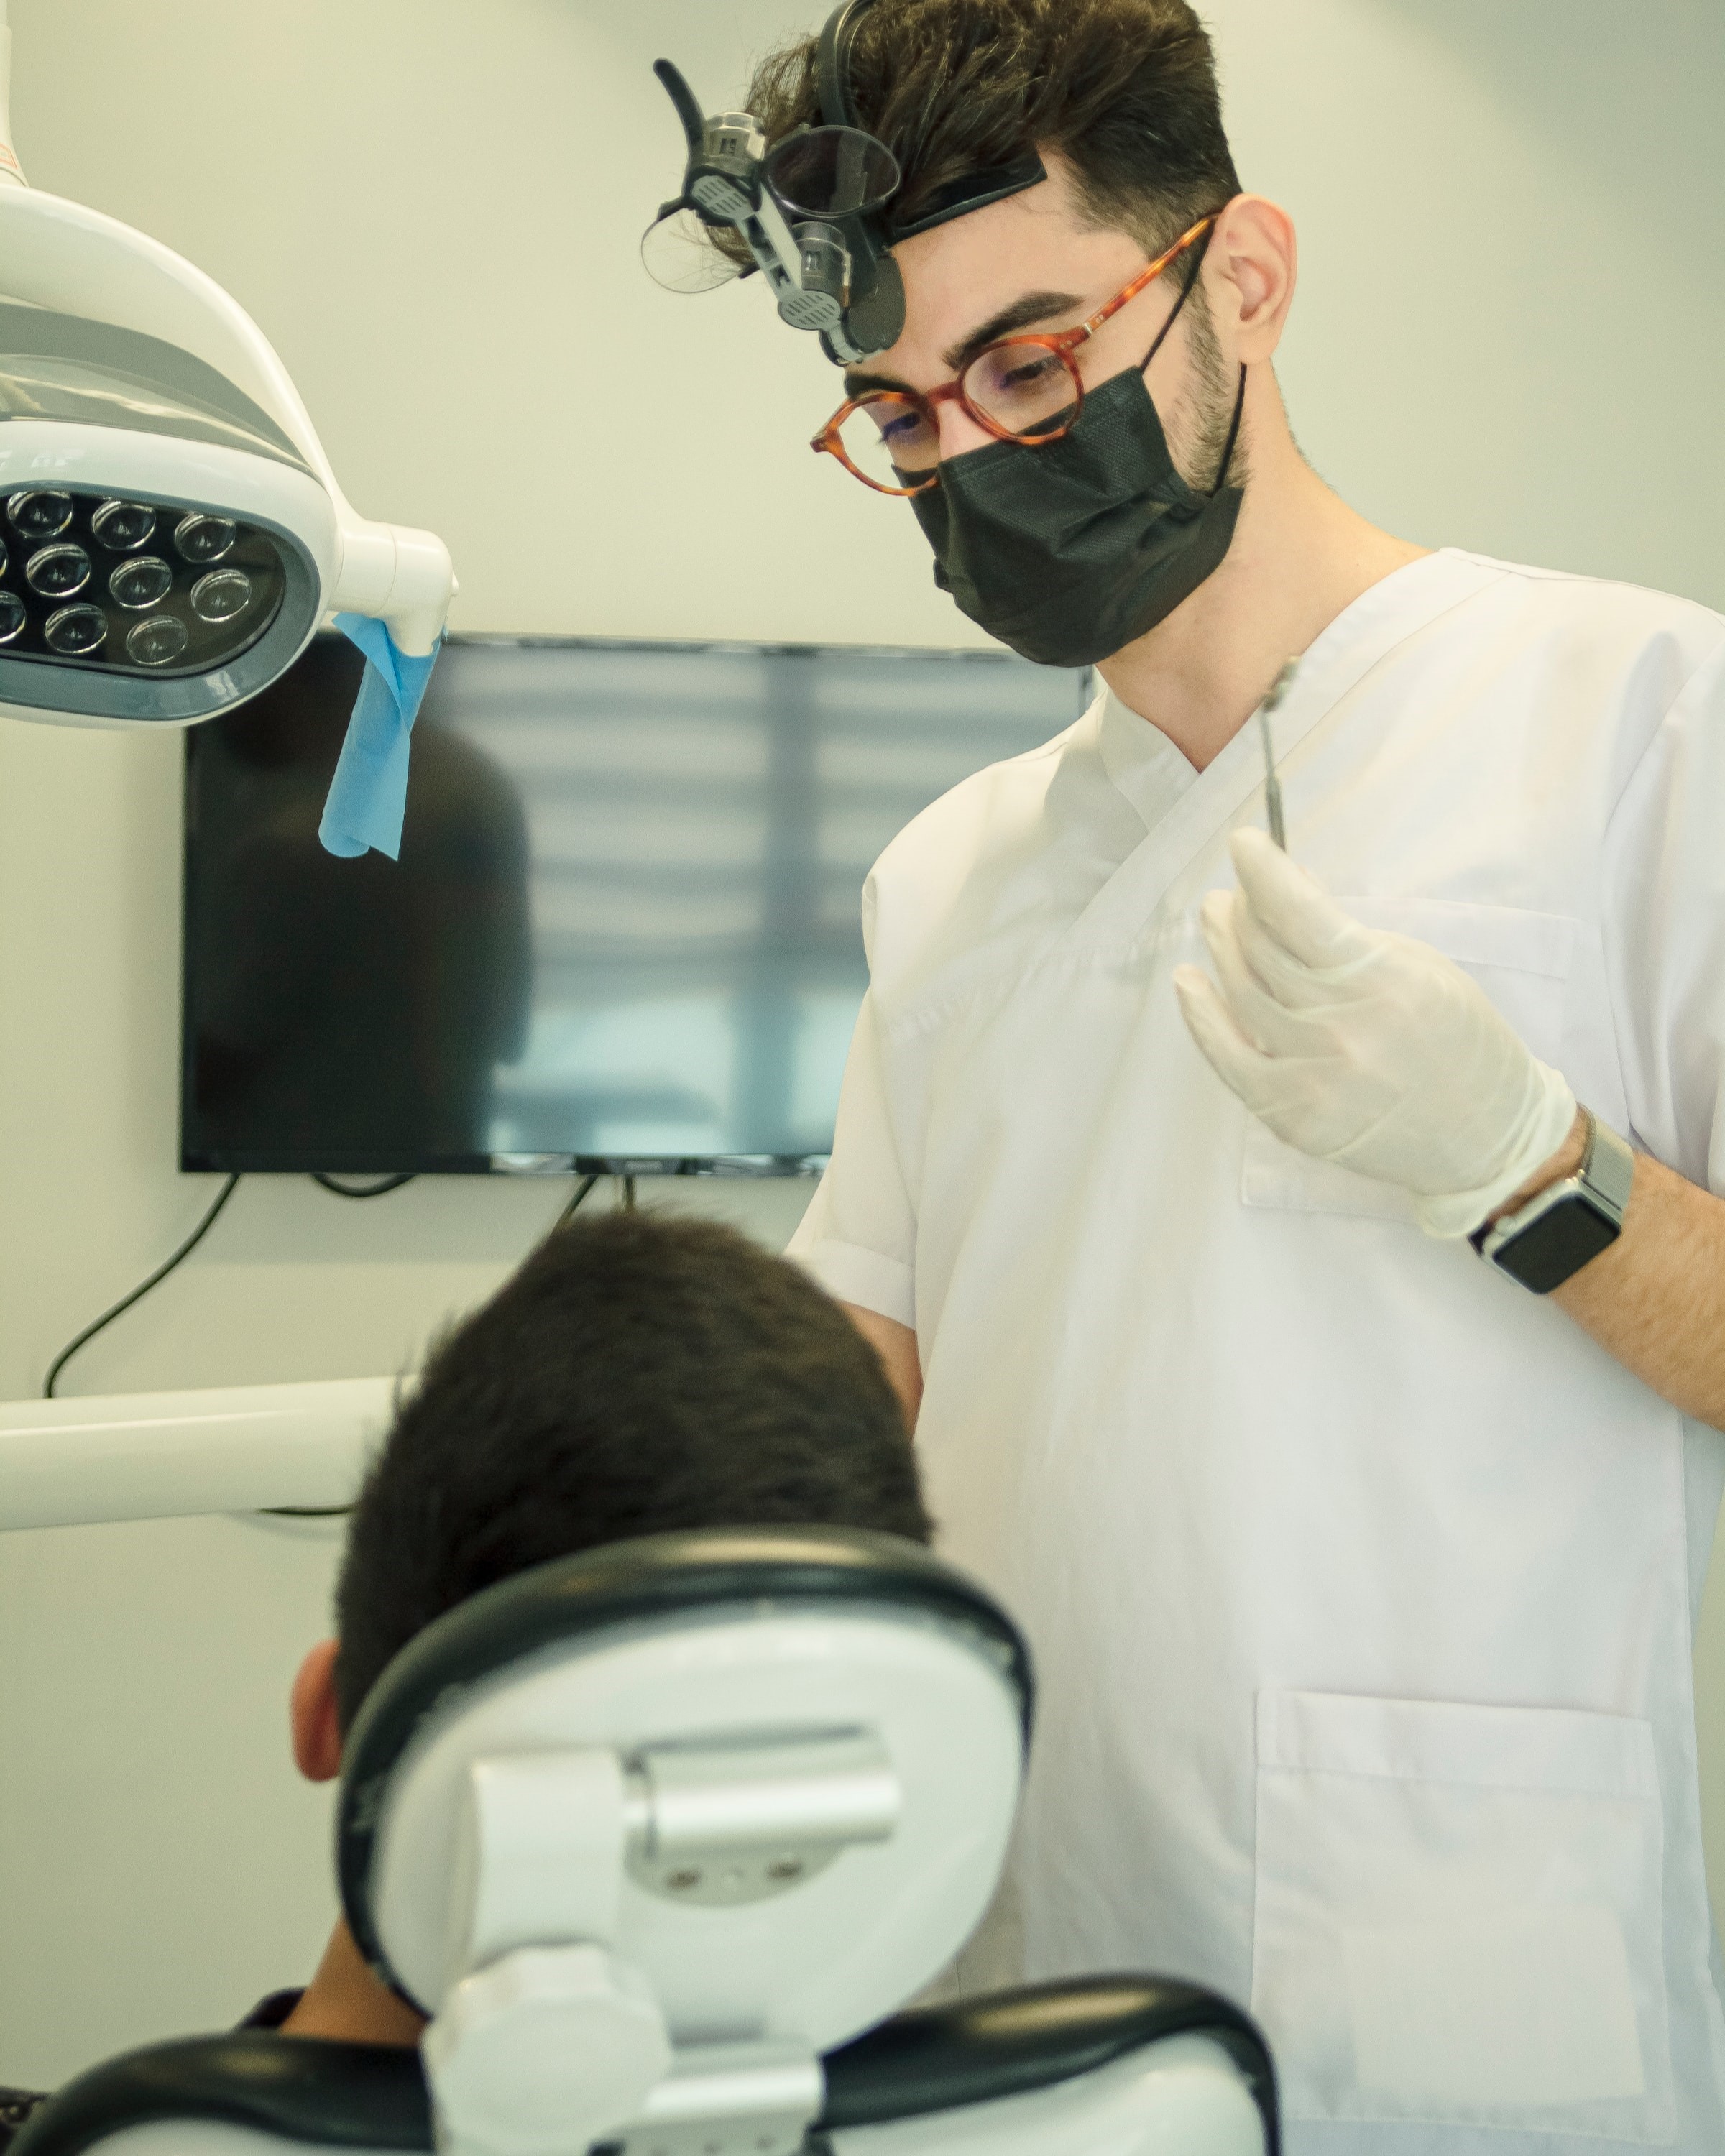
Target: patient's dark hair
1125	89
638	1374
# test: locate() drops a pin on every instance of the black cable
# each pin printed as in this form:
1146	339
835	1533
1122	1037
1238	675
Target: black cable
629	1194
143	1288
367	1190
584	1190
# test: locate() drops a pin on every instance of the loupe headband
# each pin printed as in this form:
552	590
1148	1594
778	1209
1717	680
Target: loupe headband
976	190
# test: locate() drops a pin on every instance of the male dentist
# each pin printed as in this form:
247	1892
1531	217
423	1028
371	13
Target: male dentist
1303	1269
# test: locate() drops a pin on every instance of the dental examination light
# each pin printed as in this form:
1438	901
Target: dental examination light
813	213
171	530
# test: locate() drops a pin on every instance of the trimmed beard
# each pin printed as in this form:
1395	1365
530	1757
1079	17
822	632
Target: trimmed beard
1198	432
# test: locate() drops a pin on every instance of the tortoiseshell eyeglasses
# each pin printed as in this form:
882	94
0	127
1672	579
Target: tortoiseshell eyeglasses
1023	389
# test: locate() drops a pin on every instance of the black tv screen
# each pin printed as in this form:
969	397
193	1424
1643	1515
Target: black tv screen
622	934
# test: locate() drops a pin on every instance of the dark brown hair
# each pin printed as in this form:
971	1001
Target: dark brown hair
639	1373
1125	89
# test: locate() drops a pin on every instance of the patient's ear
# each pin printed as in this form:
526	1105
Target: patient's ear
317	1731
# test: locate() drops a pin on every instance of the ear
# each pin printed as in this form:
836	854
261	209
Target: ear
316	1728
1251	271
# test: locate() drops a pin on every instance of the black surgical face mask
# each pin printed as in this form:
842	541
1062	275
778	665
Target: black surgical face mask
1069	552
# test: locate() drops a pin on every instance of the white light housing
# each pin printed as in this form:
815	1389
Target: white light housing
129	377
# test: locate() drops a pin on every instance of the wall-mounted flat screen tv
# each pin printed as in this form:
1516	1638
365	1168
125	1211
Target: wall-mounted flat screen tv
623	936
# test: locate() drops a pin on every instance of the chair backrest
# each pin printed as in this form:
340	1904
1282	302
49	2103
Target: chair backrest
1097	2067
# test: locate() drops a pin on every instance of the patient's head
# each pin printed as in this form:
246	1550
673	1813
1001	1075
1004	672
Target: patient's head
639	1373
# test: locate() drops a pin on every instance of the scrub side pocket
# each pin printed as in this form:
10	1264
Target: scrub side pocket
1521	960
1458	1916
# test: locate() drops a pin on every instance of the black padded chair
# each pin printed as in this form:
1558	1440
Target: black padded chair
657	1838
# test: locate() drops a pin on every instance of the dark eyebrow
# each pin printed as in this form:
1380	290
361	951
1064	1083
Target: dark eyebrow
855	383
1020	315
1033	307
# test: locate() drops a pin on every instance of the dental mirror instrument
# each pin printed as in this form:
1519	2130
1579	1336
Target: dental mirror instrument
1279	688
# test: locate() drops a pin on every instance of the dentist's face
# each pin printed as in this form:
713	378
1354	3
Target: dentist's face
1033	262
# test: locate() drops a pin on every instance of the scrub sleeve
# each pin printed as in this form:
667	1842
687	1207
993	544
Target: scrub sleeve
859	1237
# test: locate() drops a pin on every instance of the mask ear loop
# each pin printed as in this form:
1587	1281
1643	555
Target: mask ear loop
1233	435
1186	290
1192	277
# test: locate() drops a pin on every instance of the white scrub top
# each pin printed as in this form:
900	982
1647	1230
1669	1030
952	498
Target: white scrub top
1360	1581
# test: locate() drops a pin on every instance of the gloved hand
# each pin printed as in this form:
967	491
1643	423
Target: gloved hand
1367	1049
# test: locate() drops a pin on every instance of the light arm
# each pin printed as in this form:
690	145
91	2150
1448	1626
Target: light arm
12	173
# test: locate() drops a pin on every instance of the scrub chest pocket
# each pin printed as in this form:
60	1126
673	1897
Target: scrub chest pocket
1523	962
1458	1916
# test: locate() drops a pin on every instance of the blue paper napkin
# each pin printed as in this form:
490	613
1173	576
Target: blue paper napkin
368	794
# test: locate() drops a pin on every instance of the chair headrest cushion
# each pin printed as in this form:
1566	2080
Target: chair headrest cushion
655	1578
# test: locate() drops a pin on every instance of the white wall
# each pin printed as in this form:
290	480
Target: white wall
1512	218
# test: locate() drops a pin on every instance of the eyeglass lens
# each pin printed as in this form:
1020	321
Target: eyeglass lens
891	441
1026	390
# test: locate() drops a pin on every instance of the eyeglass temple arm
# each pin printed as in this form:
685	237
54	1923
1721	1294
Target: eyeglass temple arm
1152	271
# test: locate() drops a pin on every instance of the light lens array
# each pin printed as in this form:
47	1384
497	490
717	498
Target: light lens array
132	587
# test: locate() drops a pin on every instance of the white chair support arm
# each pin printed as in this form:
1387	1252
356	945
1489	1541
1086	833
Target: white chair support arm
160	1455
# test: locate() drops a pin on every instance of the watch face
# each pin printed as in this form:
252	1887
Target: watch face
1557	1245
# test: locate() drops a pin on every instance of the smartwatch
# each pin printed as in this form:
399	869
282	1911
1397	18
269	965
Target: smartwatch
1564	1226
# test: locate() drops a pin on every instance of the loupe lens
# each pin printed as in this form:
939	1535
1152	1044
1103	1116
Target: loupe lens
74	630
221	595
156	642
202	538
40	516
12	616
141	582
678	254
832	171
57	571
123	524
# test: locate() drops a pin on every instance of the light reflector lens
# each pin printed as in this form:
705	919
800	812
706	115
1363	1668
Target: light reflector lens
156	642
221	595
141	581
161	587
74	630
123	524
57	571
40	514
202	538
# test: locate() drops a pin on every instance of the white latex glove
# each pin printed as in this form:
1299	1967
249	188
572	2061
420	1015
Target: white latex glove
1367	1049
